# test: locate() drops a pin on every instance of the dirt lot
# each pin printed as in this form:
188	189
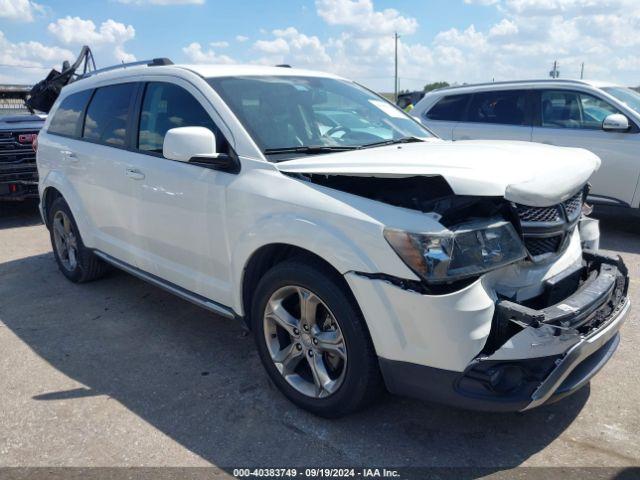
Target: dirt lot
119	373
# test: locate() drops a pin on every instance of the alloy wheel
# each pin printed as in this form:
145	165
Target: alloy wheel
305	341
65	241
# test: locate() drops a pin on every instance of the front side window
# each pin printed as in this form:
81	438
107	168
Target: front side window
108	113
312	114
449	108
567	109
166	106
67	119
501	107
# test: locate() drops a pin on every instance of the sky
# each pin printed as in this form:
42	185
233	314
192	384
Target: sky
458	41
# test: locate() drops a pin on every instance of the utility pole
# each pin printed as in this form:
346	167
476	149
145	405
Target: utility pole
582	71
395	83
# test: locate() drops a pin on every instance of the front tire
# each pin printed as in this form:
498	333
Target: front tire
75	261
312	339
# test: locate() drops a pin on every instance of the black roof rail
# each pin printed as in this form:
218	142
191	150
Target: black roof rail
154	62
284	65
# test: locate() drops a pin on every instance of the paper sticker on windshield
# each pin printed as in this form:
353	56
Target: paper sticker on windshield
388	109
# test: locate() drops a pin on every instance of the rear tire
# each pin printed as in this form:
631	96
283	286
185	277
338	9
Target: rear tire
75	261
313	340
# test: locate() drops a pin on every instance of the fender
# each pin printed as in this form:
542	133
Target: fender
60	182
316	236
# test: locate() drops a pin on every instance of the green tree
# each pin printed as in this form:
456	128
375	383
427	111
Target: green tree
432	86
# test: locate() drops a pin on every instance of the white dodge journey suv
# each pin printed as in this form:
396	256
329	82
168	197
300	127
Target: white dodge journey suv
362	251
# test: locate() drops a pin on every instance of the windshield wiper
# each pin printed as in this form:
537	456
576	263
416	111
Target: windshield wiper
393	142
310	149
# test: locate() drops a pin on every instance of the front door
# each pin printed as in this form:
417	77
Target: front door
574	119
179	217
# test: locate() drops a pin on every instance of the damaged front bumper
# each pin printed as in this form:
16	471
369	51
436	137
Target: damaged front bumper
536	353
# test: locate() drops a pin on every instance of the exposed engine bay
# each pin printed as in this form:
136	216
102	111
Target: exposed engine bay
428	194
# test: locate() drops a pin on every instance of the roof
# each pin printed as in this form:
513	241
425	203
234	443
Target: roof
238	70
525	83
204	70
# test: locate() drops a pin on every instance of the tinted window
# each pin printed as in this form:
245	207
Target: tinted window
506	108
565	109
166	106
449	108
108	113
66	120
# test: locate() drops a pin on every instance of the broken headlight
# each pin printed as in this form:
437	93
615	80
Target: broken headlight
464	251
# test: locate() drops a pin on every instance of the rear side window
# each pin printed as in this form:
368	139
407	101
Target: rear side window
506	107
68	117
449	108
166	106
108	114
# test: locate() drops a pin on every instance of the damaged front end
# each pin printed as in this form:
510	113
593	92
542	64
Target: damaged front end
523	308
541	350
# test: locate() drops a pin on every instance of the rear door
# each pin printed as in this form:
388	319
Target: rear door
179	208
97	168
444	115
497	115
573	118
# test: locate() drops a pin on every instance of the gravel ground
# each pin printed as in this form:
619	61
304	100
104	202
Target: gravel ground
119	373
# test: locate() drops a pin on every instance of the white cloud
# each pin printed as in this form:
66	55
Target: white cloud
20	10
196	54
360	15
29	61
162	2
111	35
293	47
530	35
534	33
221	44
277	46
241	38
505	27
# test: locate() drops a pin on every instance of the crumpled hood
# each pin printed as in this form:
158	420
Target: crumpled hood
527	173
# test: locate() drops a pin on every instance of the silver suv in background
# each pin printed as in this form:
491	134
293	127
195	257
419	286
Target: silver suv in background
600	117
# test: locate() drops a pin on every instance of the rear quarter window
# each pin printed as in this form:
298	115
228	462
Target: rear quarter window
449	108
67	120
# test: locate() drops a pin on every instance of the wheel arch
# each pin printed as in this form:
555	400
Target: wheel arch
55	185
48	196
270	255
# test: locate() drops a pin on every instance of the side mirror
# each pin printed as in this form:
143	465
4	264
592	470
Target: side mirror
186	143
197	145
615	123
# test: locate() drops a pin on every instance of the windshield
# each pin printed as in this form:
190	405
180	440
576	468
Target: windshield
629	97
288	115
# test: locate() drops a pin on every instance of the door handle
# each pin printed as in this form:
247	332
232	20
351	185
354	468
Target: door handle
134	174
